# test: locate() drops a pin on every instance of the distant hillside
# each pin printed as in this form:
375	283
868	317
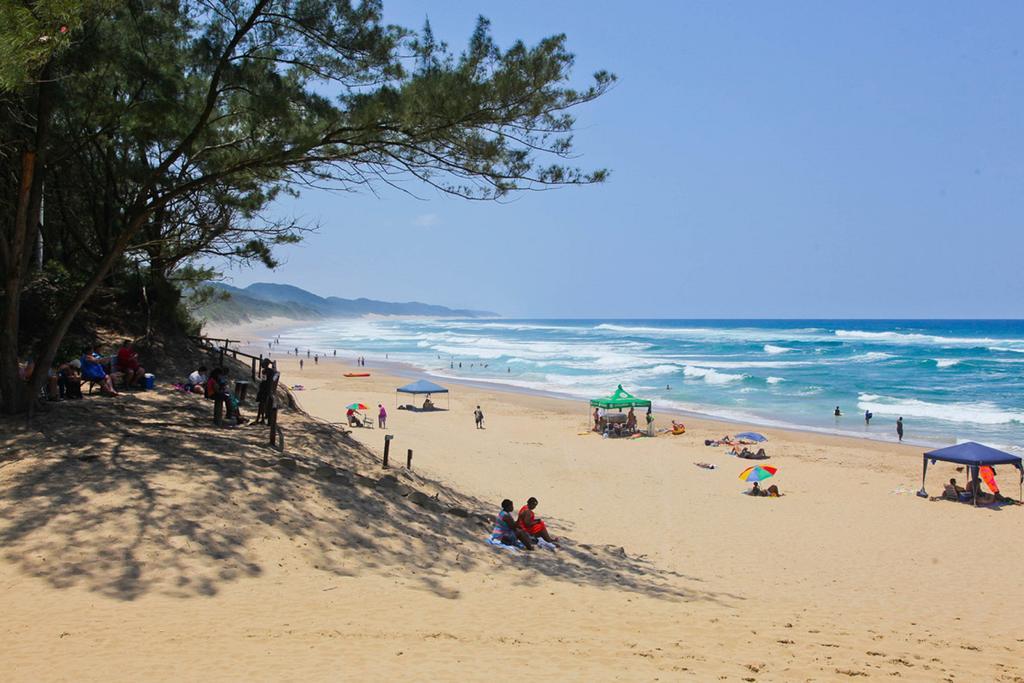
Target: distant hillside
267	300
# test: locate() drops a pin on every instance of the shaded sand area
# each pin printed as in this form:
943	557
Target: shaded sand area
139	542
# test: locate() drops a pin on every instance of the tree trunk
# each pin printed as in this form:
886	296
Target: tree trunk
18	253
10	386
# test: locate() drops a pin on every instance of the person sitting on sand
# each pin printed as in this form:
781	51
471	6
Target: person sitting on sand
428	404
353	421
951	491
128	363
532	524
197	380
506	531
772	491
92	371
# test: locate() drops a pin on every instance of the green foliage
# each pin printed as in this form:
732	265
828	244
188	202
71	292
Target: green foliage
168	127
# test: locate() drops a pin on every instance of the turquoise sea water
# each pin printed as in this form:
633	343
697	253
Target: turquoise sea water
949	380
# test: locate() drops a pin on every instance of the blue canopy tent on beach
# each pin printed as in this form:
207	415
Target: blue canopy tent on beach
422	386
974	456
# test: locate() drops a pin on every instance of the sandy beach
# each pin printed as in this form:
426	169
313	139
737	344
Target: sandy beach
667	571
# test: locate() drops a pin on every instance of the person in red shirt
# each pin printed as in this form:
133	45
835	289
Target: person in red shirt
532	524
128	363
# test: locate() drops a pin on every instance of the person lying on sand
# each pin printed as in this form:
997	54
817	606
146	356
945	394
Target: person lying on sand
772	491
505	529
706	465
532	524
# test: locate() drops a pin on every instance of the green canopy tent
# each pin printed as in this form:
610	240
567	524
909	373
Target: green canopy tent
619	399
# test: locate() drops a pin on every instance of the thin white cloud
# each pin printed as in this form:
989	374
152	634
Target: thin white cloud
427	220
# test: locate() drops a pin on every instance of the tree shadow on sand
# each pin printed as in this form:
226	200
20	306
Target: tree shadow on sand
143	494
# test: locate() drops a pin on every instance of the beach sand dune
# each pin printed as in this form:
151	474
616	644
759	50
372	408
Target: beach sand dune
139	542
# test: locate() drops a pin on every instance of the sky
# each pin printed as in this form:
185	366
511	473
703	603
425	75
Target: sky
772	160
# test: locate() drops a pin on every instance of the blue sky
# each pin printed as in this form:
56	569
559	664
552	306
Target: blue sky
792	159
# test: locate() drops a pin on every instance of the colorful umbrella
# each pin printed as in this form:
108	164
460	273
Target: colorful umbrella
757	473
356	406
752	436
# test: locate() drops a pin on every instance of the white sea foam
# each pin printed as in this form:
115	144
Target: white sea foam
871	356
740	364
978	413
775	380
774	350
946	362
710	375
1005	349
915	338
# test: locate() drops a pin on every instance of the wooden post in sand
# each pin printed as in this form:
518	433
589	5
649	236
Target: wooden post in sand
387	448
408	460
218	409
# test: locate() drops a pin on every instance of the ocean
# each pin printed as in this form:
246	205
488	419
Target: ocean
950	380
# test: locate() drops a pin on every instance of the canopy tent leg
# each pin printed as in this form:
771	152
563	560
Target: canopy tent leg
975	484
924	470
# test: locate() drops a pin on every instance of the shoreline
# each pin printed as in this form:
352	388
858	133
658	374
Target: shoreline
272	327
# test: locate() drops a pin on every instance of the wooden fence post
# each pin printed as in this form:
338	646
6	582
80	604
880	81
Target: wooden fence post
387	448
408	460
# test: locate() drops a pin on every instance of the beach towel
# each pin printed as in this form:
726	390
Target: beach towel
498	544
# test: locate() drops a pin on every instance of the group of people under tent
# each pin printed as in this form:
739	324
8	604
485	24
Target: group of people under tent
526	530
64	380
616	424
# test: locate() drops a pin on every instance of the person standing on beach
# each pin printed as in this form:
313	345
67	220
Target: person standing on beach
382	417
650	422
300	364
867	417
478	417
899	428
335	353
316	360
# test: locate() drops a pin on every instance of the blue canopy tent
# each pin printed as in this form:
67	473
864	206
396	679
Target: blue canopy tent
422	386
974	456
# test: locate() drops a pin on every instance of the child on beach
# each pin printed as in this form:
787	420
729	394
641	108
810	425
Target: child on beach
478	416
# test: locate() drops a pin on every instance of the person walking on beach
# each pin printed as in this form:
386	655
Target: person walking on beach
899	428
478	416
316	360
382	417
335	353
300	364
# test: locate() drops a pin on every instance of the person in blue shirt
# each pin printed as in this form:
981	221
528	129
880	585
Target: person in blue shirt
92	371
